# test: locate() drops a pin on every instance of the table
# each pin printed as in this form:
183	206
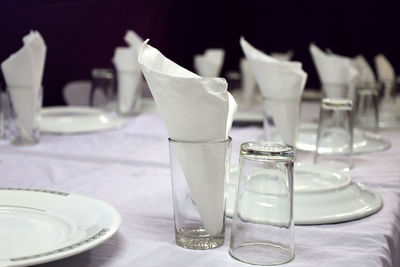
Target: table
129	168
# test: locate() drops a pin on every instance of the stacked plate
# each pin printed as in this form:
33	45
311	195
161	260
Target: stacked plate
320	196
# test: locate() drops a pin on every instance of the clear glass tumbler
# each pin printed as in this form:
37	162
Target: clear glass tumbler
366	107
103	82
25	106
198	174
129	92
281	119
262	224
334	147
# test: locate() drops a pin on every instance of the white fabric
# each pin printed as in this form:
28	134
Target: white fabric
282	84
334	70
23	72
248	81
194	109
365	73
386	73
210	63
129	168
283	56
129	76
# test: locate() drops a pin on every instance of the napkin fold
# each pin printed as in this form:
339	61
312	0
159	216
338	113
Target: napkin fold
129	75
365	73
210	63
333	71
283	56
386	74
194	109
23	73
248	81
283	83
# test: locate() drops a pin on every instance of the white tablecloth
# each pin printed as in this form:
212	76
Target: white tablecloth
129	168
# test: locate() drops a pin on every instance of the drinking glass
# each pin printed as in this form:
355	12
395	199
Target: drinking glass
366	107
103	81
198	174
25	106
334	145
129	92
262	224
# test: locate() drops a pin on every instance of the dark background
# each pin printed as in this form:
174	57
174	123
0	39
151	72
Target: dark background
82	34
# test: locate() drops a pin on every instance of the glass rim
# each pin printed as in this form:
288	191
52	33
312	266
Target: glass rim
336	104
170	140
267	151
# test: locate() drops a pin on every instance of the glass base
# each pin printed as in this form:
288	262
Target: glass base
262	254
198	239
24	142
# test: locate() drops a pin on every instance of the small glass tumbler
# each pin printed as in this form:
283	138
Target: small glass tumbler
262	224
334	147
281	119
103	81
366	107
198	174
129	92
24	118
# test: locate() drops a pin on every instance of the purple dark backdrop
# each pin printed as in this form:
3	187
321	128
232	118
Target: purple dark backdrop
82	34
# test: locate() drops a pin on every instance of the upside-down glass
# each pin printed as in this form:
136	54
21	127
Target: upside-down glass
103	82
25	106
366	108
262	224
129	92
334	146
198	174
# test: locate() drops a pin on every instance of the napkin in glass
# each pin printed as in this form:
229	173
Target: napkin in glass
210	63
283	56
365	73
281	81
385	73
249	85
24	69
333	71
129	75
194	109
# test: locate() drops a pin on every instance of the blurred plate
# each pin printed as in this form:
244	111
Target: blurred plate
40	226
75	120
329	200
364	142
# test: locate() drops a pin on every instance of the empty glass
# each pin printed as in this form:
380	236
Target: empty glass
103	87
262	224
198	174
334	147
366	107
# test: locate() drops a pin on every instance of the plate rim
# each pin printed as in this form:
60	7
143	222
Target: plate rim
118	122
72	249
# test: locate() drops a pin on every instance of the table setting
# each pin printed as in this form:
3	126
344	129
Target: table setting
170	180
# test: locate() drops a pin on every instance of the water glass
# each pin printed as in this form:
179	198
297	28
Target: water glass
198	174
129	92
366	107
334	147
262	224
25	106
103	82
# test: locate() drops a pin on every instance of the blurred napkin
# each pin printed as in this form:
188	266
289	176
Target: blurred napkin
333	71
210	63
280	81
129	75
248	81
23	72
386	73
283	56
194	109
365	73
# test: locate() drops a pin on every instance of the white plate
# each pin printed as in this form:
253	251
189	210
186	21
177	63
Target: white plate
74	120
332	199
38	226
364	142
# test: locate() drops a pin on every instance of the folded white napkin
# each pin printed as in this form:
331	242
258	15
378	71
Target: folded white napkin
365	73
283	56
129	75
23	72
334	70
210	63
248	81
194	109
280	81
385	73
